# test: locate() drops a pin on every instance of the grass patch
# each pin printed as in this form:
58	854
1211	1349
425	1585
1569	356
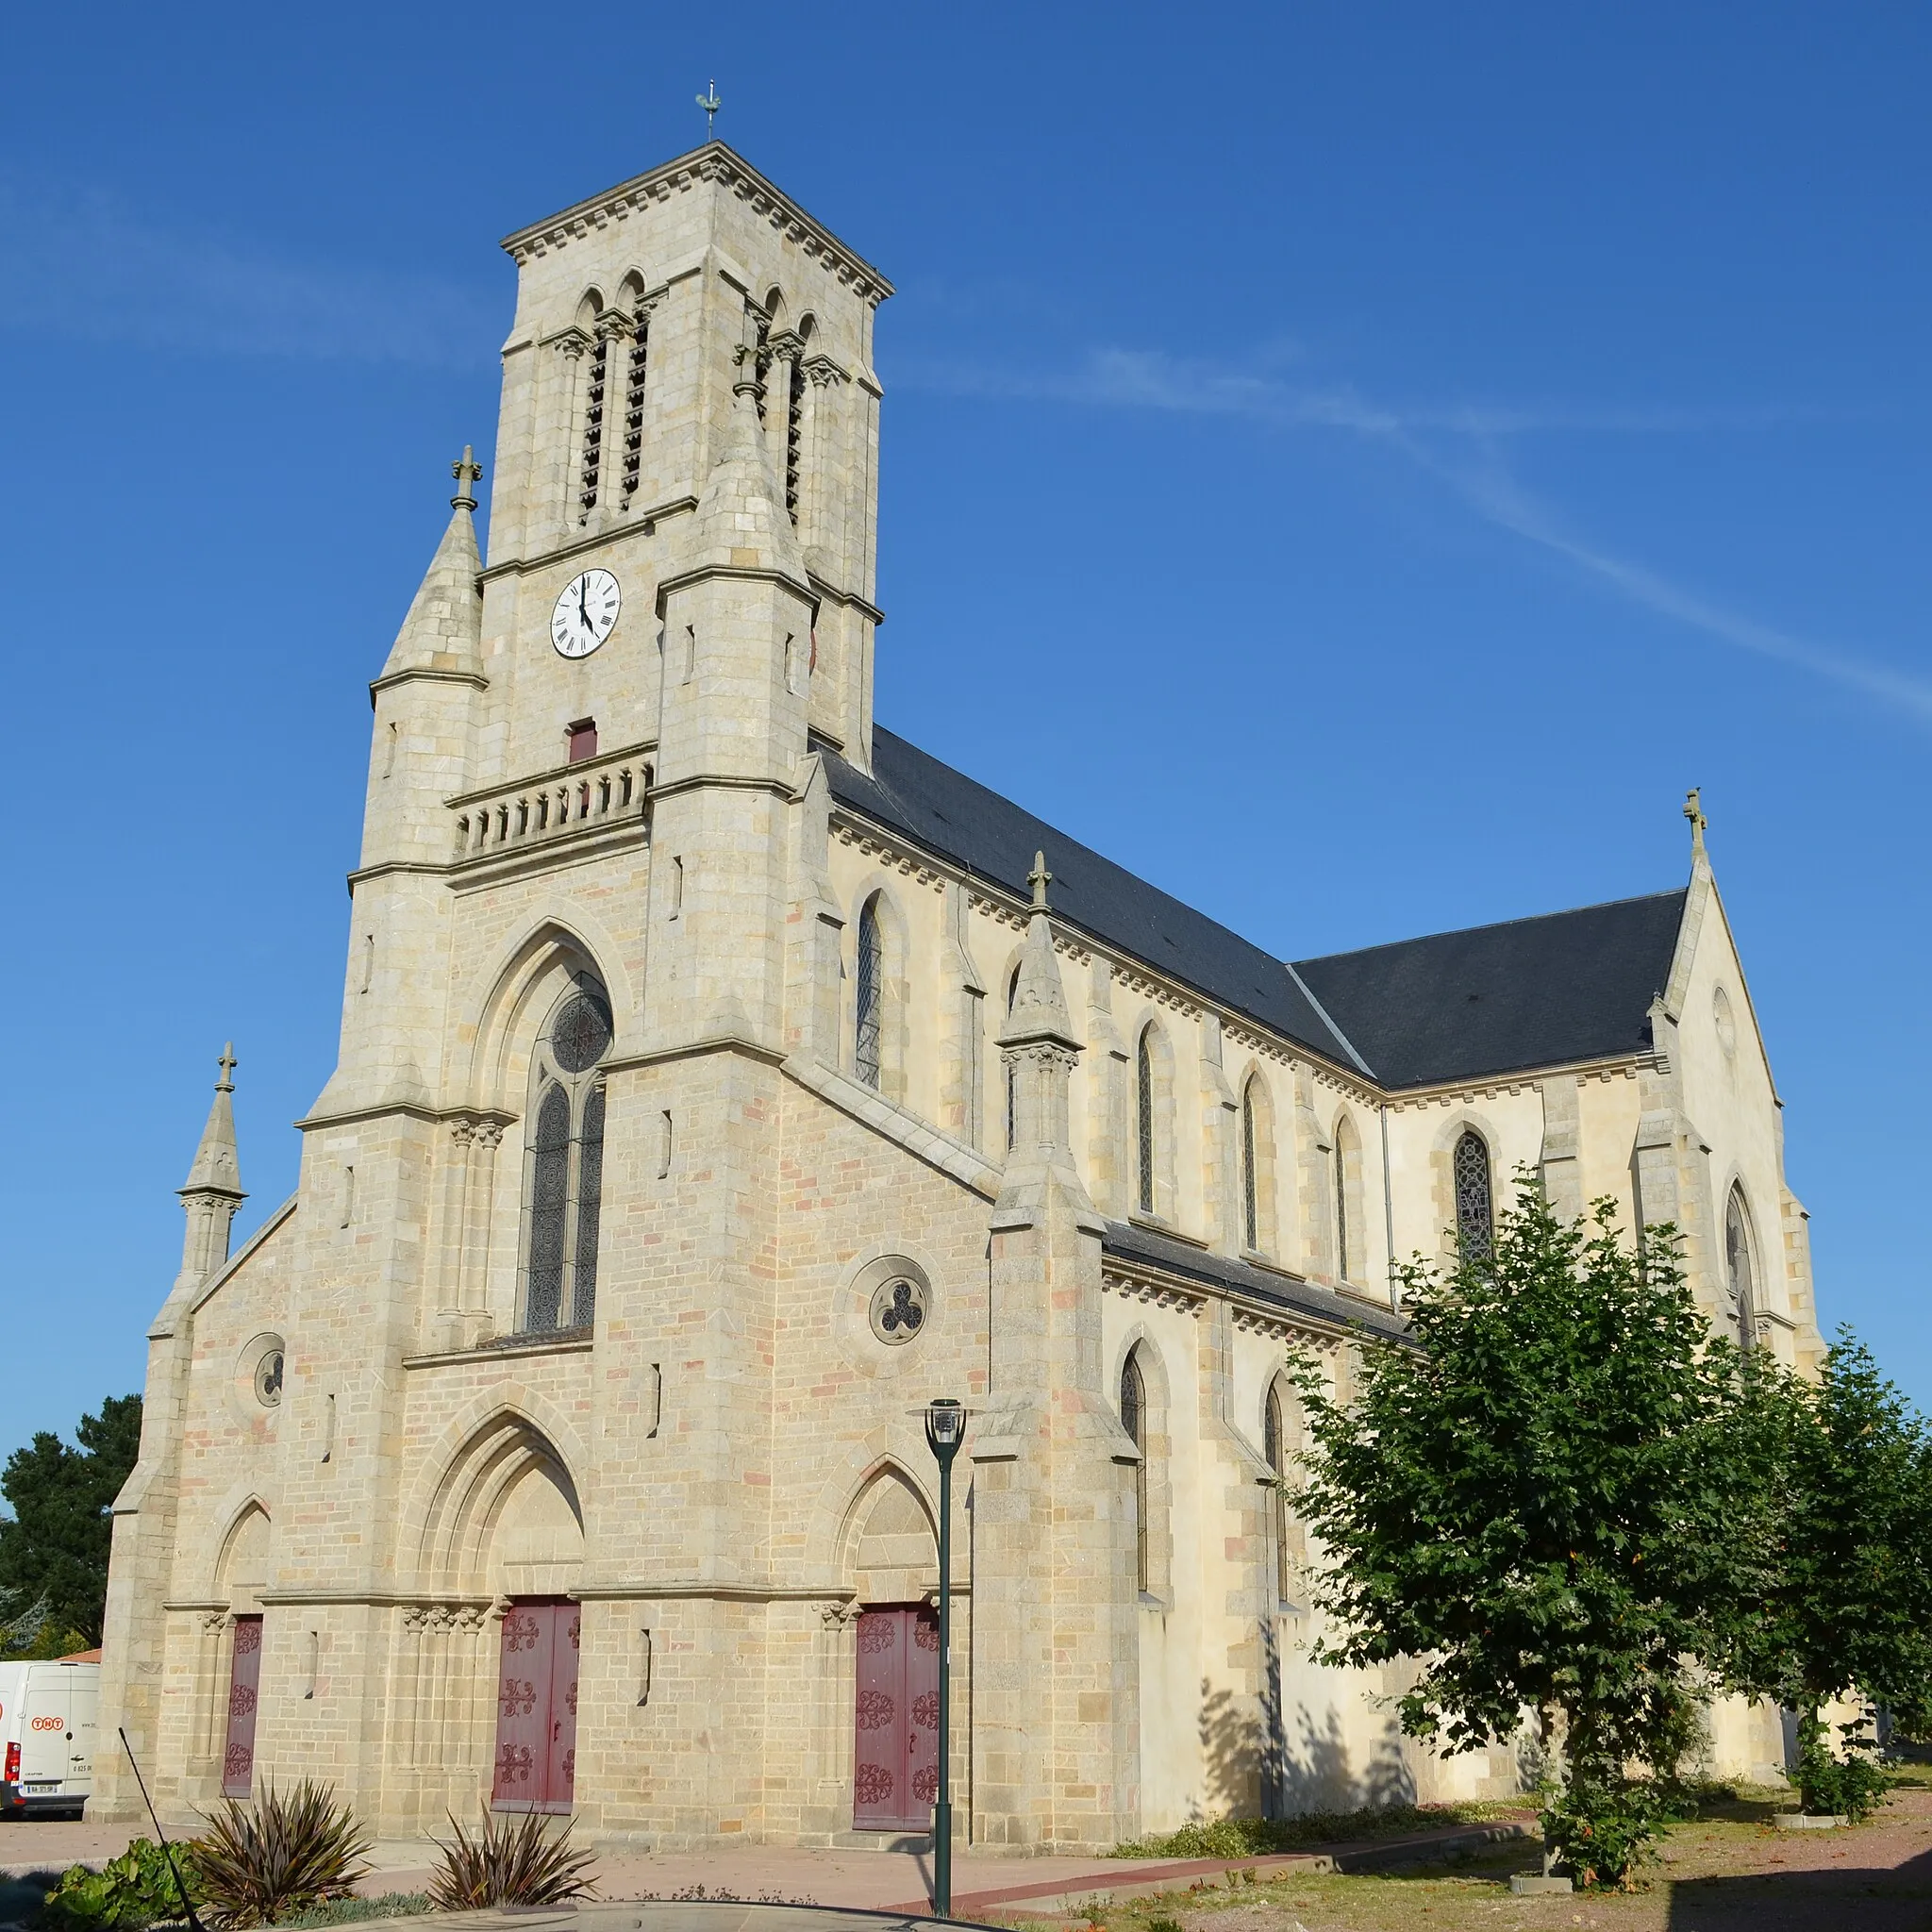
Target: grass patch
1248	1837
350	1911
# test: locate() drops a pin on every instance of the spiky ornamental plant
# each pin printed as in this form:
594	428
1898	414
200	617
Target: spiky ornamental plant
509	1864
1847	1607
287	1853
1535	1500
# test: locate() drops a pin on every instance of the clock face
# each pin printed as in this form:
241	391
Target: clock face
585	614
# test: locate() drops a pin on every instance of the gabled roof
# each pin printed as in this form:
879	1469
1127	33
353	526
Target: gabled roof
991	838
1494	999
1497	999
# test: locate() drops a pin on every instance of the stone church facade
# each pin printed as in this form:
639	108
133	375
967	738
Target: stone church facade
721	1080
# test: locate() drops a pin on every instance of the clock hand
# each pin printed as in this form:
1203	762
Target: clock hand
583	614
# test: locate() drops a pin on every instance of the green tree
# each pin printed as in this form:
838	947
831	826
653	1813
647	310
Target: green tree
54	1549
1845	1605
1531	1499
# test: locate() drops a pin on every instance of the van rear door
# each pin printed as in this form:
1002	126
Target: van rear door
83	1708
44	1741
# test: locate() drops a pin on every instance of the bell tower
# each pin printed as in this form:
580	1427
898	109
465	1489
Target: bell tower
644	317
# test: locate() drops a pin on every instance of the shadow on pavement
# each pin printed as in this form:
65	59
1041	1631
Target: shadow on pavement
1889	1898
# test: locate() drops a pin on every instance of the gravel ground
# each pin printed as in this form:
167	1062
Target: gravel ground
1724	1875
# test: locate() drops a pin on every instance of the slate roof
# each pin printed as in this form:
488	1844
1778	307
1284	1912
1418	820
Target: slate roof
1495	999
991	838
1172	1256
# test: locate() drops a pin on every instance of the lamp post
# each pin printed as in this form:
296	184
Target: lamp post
945	1430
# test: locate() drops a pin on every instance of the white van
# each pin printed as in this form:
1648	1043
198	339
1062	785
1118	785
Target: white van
47	1716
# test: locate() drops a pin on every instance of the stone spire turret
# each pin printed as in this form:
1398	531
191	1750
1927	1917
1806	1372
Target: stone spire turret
1041	1047
213	1190
444	630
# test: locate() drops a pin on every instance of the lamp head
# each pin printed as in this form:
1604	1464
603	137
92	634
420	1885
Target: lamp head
945	1427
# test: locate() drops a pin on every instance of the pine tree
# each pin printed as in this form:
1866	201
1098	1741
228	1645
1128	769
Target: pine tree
54	1550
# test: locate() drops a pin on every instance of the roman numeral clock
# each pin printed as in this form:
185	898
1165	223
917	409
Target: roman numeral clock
585	614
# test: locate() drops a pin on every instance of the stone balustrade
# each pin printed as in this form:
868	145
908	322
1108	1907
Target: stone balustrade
605	792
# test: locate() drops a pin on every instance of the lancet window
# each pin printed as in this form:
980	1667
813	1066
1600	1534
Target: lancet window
1274	1452
869	1029
593	424
564	1165
1251	1192
1346	1234
635	364
1475	1212
1133	1421
1738	1270
795	435
1143	1119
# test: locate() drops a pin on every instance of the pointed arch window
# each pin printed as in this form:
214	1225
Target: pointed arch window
1274	1452
1474	1209
1251	1192
1344	1232
1738	1270
593	426
1143	1106
869	1028
564	1165
1133	1421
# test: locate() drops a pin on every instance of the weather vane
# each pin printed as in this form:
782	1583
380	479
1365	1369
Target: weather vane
709	102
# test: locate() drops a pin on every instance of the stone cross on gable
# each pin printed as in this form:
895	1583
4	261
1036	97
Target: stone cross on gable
1694	810
227	1064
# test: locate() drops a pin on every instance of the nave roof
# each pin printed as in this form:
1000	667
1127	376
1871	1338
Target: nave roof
1549	991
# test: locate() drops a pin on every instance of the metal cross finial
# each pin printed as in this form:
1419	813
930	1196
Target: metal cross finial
1694	810
709	102
467	471
227	1064
1039	878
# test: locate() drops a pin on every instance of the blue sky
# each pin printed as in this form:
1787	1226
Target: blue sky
1356	464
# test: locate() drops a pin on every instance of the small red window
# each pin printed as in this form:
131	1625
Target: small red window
583	739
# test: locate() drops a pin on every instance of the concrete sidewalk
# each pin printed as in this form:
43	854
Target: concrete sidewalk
898	1882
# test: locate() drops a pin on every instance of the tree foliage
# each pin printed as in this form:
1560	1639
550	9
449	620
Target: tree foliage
1531	1498
1841	1606
54	1550
1846	1605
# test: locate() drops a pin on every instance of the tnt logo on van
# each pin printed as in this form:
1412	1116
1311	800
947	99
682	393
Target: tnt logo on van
50	1724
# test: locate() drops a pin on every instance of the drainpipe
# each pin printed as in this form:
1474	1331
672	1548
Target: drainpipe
1388	1209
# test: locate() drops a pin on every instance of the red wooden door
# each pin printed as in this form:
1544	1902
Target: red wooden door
537	1709
559	1787
897	1759
244	1692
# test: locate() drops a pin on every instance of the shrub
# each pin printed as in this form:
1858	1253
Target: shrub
509	1864
349	1911
286	1855
126	1895
1848	1787
1601	1831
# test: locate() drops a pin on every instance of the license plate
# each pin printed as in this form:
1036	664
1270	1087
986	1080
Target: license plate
53	1786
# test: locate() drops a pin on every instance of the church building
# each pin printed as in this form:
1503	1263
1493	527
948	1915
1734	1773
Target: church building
722	1079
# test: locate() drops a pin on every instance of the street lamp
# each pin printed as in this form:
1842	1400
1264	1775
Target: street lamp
945	1430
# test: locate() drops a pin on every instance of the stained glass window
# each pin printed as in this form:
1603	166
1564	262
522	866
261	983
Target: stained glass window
1134	1419
549	1208
589	1194
1474	1217
1143	1083
565	1183
871	1002
581	1034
